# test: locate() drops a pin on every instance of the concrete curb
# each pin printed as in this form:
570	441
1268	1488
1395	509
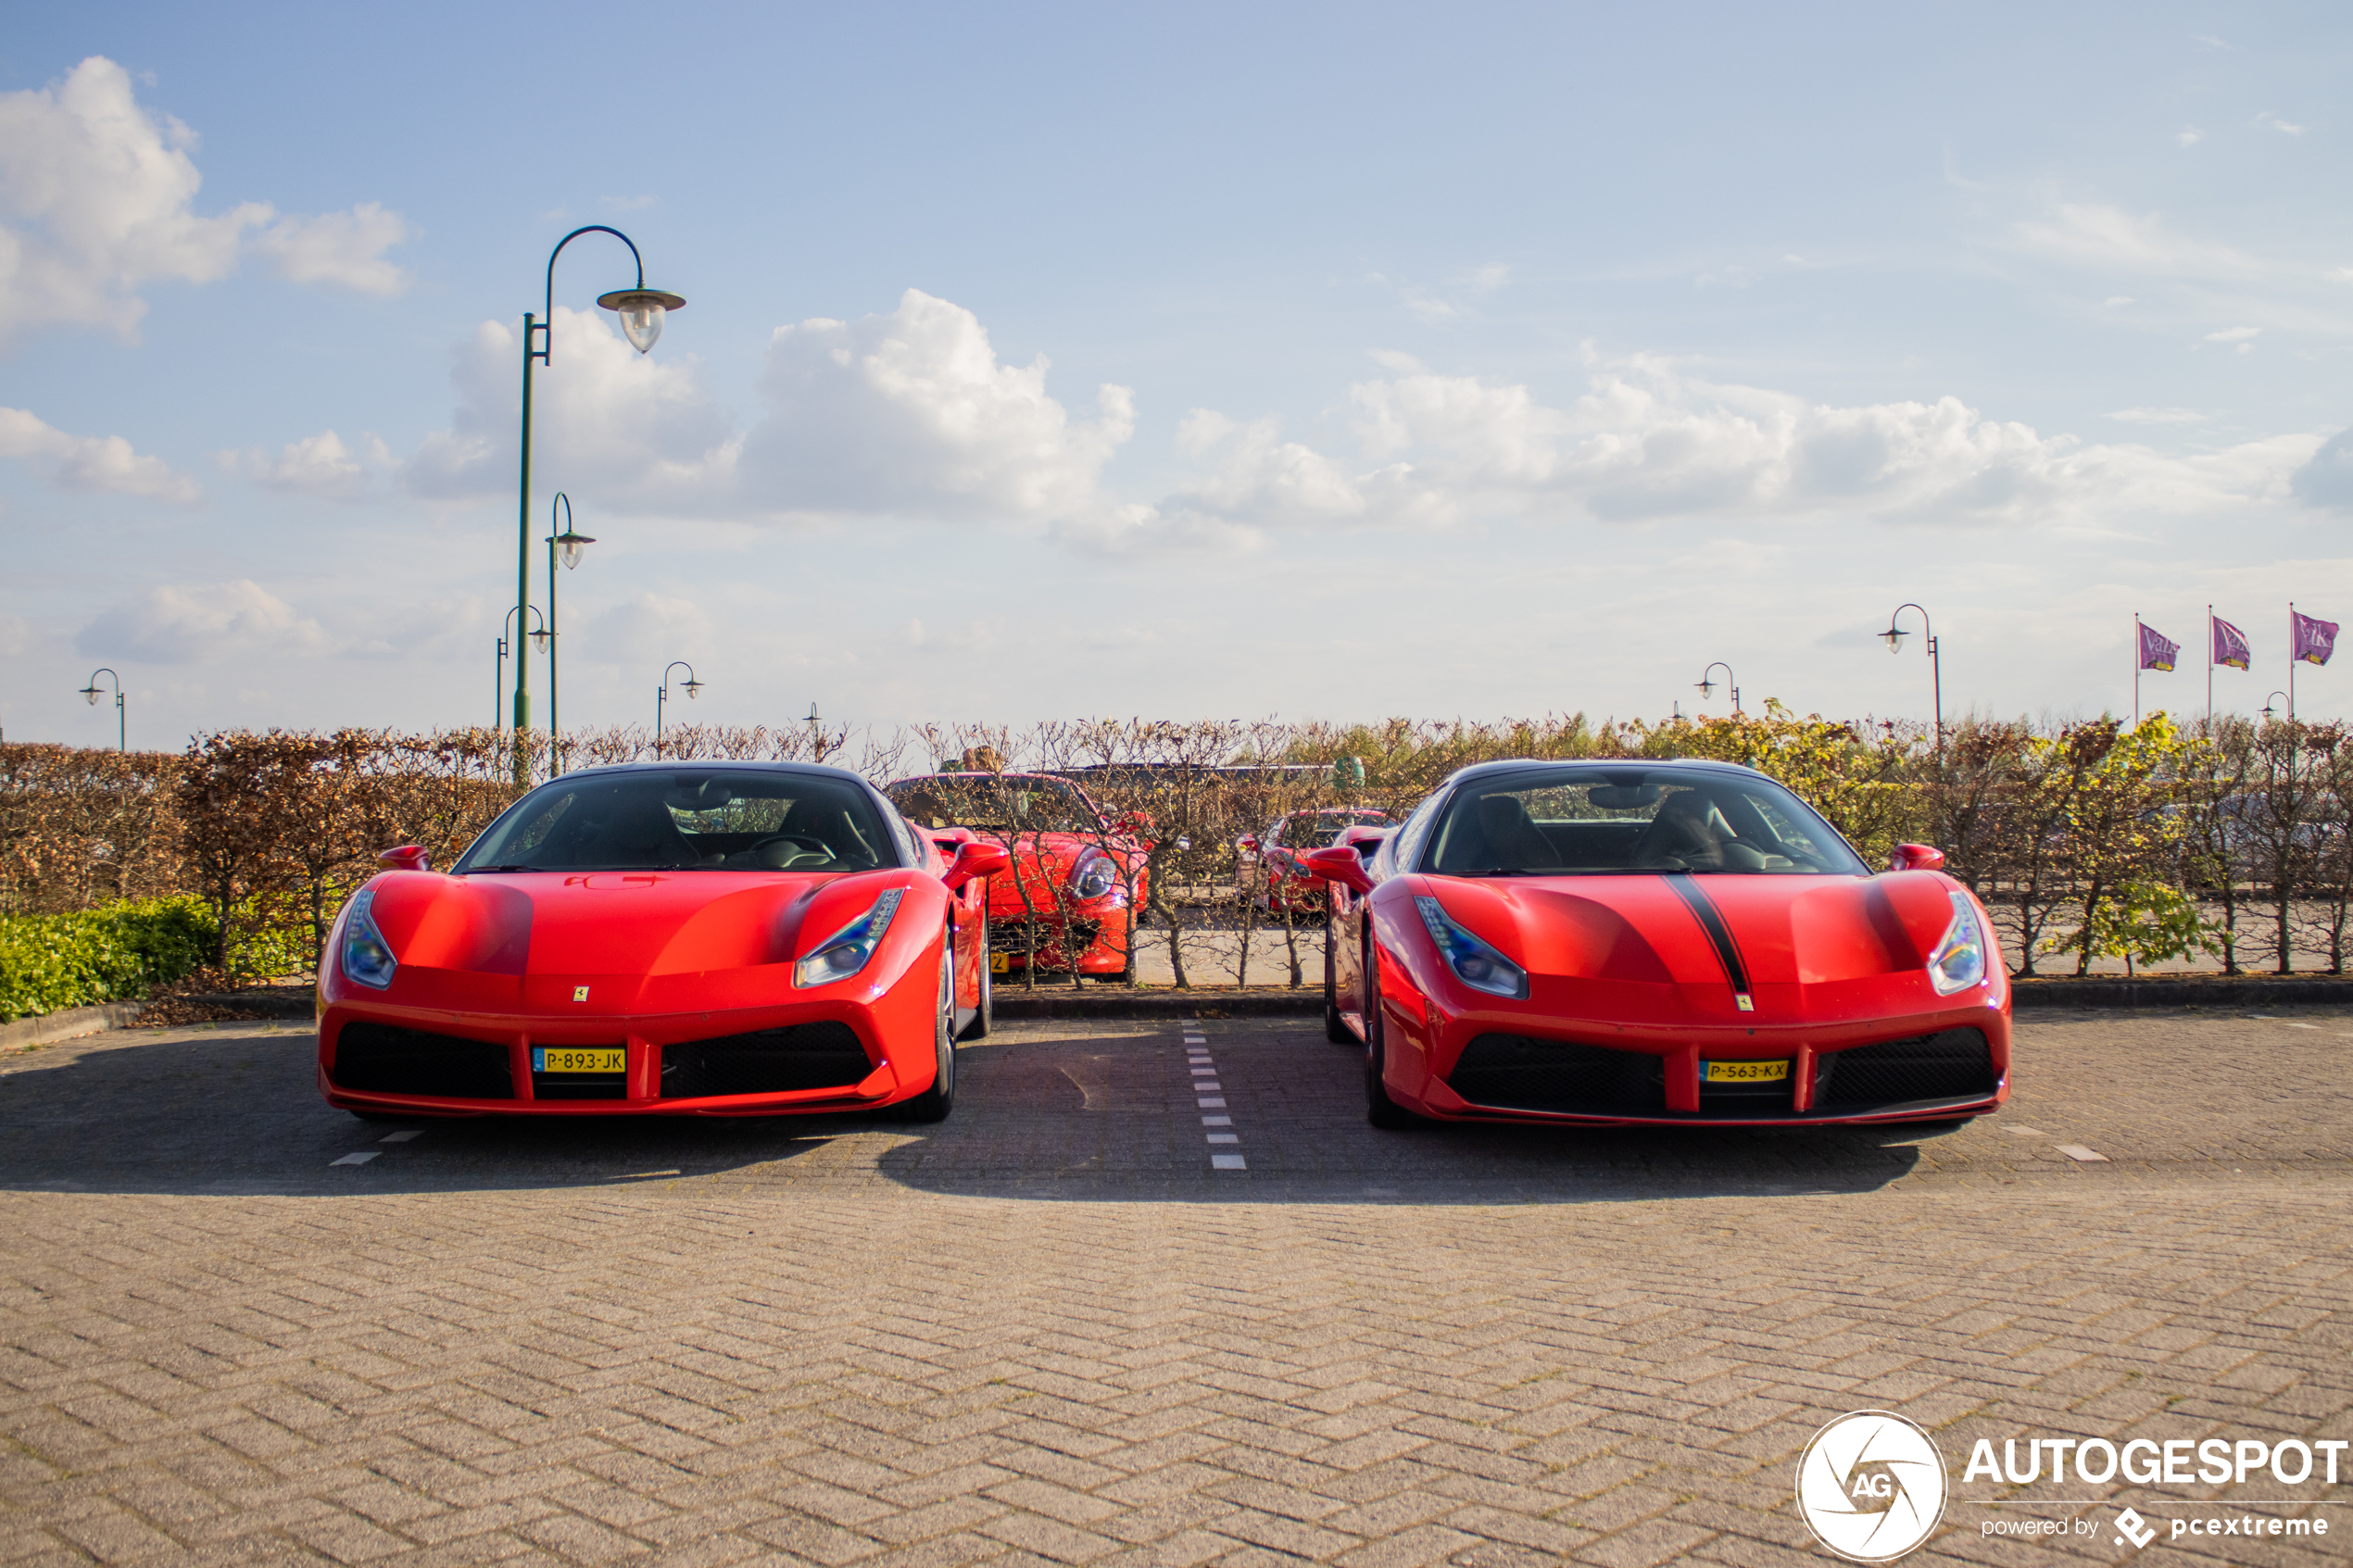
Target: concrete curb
1161	1004
268	1004
70	1024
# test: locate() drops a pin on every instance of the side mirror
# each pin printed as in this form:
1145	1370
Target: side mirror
974	860
408	858
1363	840
1917	857
1247	844
1340	863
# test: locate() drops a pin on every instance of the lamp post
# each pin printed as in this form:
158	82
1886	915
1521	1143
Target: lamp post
499	688
642	312
2267	704
816	735
122	721
571	544
661	694
1707	687
1894	638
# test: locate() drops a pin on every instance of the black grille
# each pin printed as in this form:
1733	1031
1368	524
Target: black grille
807	1056
391	1061
1949	1064
1518	1072
1014	939
581	1085
1773	1097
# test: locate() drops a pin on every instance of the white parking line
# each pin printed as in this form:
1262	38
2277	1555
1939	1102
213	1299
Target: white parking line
1203	1072
360	1158
403	1135
2077	1151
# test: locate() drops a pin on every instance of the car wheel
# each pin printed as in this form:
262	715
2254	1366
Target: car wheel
935	1103
1379	1109
1336	1028
985	1018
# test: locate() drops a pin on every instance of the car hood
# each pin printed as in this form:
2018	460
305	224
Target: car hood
602	923
1787	930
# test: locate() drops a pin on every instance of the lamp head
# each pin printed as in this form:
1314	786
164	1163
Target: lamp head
1894	639
1706	687
693	688
642	312
540	639
91	691
571	546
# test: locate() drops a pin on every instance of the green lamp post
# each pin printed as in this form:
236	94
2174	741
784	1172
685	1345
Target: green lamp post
642	312
568	546
94	692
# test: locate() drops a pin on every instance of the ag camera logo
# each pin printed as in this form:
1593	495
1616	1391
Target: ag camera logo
1871	1487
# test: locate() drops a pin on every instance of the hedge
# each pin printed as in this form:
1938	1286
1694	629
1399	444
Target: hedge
119	952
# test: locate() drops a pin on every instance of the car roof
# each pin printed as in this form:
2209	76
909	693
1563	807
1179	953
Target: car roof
1647	764
720	765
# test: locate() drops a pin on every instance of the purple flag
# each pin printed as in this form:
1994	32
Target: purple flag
2230	645
2315	639
2156	653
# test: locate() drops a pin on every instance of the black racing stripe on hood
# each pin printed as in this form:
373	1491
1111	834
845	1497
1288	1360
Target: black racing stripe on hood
1711	919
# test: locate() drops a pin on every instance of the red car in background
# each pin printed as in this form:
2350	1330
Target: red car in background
1075	872
1660	943
1267	869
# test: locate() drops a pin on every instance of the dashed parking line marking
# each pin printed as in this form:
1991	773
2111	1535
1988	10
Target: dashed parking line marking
1203	1072
360	1158
2077	1151
403	1135
2026	1132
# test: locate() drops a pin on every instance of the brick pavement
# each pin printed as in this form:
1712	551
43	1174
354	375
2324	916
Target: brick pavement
1048	1331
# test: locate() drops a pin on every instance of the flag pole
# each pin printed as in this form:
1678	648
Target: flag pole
2291	662
2136	669
2210	672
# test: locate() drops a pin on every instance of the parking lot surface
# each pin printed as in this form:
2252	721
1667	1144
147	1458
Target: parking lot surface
1155	1293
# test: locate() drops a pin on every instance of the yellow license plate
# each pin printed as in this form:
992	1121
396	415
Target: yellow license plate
1000	963
580	1059
1743	1072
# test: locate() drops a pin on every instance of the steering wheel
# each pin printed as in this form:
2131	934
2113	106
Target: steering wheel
809	846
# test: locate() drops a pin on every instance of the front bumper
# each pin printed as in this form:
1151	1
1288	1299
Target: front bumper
763	1062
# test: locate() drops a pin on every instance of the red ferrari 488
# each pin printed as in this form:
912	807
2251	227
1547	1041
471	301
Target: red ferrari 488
710	939
1076	874
1661	943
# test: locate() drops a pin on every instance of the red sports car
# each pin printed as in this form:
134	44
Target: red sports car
717	939
1660	943
1075	872
1267	869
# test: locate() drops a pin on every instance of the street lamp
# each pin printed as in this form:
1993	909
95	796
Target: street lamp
691	686
816	735
571	544
642	312
1894	638
122	721
499	684
1707	687
2267	705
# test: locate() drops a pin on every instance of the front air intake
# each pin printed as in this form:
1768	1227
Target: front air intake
767	1061
386	1059
1949	1064
1521	1072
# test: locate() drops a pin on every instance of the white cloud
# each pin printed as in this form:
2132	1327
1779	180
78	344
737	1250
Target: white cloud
91	462
649	631
909	413
2189	136
2158	416
196	623
2267	121
2117	301
2094	234
318	465
1648	443
2242	336
96	202
2327	480
913	412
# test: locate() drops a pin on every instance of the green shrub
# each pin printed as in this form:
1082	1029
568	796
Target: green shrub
118	952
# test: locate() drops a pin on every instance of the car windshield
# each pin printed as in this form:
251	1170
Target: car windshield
993	803
1318	830
1587	821
738	819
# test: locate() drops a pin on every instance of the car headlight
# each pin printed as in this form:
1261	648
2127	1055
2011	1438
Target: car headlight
845	951
1475	963
1096	874
367	956
1959	961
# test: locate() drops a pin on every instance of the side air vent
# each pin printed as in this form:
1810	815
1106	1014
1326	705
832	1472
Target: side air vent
1521	1072
806	1056
386	1059
1949	1064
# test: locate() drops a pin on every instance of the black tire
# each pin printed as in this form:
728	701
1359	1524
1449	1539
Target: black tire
935	1103
985	1018
1336	1028
1379	1109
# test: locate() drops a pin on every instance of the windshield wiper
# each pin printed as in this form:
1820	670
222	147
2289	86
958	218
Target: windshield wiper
470	869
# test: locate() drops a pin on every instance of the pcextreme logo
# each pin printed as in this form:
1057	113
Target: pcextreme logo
1872	1485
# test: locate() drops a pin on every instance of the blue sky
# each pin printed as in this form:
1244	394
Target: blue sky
1325	362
